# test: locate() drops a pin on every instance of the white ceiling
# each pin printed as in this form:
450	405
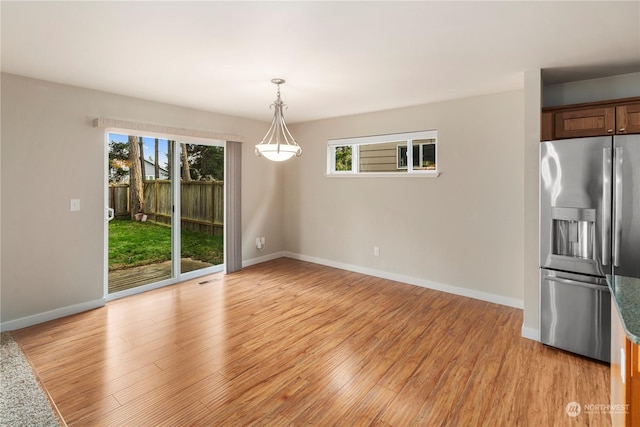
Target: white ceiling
338	58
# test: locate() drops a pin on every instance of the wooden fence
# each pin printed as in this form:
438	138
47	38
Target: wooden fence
202	204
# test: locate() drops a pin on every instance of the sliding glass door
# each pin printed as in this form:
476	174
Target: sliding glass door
201	206
166	210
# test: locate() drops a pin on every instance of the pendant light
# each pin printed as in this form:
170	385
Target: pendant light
278	144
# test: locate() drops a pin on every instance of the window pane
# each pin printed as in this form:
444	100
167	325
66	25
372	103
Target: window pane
416	156
343	158
427	154
140	237
381	157
202	206
401	162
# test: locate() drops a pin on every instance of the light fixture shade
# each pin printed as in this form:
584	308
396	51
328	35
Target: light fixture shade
278	144
278	153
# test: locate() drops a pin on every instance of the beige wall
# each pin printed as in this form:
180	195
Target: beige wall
473	230
464	229
52	259
591	90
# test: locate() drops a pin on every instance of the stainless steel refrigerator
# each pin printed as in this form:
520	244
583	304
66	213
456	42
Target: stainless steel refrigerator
589	227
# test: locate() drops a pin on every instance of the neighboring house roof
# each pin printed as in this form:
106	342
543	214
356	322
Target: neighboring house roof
149	170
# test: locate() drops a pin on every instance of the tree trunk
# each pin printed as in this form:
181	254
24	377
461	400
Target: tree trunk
143	169
136	191
186	171
157	164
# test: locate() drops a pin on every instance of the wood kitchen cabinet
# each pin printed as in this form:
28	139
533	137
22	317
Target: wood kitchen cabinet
616	117
625	376
628	118
635	385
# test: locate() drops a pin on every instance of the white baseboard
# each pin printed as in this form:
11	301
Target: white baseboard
24	322
265	258
484	296
531	333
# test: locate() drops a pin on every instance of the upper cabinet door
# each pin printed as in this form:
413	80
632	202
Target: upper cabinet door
628	119
612	117
585	122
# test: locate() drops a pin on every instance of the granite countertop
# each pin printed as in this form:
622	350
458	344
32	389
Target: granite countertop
626	294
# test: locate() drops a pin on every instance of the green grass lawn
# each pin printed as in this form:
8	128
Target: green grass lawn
134	243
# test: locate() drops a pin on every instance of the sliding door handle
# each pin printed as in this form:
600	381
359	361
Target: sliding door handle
110	214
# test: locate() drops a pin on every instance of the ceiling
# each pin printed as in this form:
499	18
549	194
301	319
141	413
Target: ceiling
338	58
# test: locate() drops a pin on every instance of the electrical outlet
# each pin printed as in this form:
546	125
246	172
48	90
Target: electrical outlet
74	205
376	251
258	243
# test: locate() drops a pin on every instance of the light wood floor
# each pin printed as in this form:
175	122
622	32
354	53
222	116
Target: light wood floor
293	343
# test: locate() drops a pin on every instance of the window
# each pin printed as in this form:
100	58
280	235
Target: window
424	155
384	155
343	156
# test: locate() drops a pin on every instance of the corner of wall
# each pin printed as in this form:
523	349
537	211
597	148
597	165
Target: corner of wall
532	106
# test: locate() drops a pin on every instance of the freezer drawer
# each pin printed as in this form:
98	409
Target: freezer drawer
575	315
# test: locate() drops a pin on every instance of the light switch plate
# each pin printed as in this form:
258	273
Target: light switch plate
74	205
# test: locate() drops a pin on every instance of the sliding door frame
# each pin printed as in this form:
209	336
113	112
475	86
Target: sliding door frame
176	275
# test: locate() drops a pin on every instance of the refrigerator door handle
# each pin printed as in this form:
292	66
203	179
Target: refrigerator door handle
574	283
606	206
617	206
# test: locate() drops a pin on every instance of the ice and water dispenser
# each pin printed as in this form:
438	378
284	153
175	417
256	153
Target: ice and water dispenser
573	232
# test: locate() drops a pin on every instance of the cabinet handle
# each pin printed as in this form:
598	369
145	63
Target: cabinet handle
622	129
609	130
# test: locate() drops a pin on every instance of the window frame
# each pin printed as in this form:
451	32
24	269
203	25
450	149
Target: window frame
332	159
399	156
407	139
419	147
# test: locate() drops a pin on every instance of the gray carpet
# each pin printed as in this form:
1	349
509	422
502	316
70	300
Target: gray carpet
22	400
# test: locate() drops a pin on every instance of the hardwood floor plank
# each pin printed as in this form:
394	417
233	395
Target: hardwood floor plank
369	409
160	402
412	353
84	393
512	363
168	381
444	397
290	343
264	410
189	415
75	410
